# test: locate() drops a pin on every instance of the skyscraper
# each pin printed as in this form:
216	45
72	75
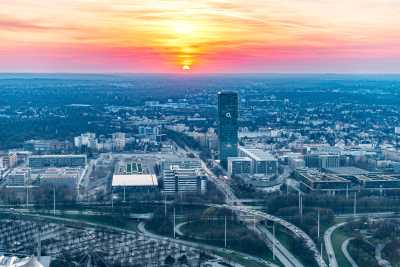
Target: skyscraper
227	125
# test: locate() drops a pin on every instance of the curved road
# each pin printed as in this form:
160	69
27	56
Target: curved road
232	199
346	252
142	229
328	244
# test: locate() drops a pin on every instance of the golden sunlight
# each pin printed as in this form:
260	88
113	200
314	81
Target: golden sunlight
186	67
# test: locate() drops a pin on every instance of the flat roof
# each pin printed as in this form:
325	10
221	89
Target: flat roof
134	180
239	159
258	154
376	177
317	176
347	171
58	156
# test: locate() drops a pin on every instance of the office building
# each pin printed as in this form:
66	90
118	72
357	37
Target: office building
313	180
18	177
60	177
46	161
49	146
322	161
185	176
228	112
262	161
239	165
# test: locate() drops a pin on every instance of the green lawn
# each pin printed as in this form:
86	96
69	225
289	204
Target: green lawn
338	237
239	238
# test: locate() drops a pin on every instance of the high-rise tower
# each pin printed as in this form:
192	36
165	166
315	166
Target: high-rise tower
228	111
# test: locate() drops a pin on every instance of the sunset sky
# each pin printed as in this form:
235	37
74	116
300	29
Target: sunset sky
344	36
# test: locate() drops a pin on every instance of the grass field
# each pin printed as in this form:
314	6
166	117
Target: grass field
338	237
238	237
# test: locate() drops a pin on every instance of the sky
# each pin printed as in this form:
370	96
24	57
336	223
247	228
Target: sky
202	36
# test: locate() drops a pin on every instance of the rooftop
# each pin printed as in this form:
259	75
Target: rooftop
347	171
57	156
134	180
376	177
239	159
258	154
317	176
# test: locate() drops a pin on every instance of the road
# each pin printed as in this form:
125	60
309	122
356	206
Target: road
83	180
285	257
346	253
329	246
142	229
367	214
233	202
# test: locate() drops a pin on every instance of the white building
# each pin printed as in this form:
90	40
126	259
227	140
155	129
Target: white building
87	139
183	176
262	161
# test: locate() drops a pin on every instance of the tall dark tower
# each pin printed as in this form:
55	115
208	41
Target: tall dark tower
228	111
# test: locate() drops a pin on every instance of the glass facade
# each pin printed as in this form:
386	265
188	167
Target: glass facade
228	110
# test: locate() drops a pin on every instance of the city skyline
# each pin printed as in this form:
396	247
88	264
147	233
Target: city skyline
202	37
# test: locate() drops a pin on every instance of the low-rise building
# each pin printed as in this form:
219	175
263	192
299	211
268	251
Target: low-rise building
59	177
46	161
322	161
135	183
314	180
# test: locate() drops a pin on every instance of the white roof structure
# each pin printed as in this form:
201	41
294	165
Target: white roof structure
257	154
134	180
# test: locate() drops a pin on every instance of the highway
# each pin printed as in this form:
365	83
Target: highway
234	203
328	244
285	257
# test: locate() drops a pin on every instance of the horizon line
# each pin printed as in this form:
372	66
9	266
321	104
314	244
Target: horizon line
199	74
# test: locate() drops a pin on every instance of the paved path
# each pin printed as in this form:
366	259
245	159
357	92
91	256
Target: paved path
328	244
346	252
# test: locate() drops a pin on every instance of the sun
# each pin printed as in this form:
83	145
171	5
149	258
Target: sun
186	67
184	28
